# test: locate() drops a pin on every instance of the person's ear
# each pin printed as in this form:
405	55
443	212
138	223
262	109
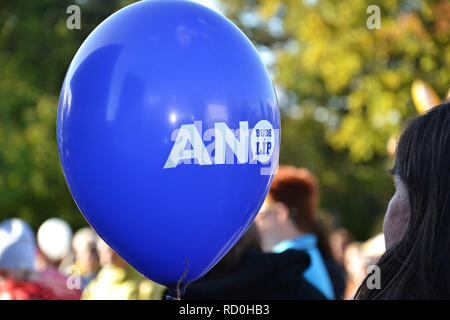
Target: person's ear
397	215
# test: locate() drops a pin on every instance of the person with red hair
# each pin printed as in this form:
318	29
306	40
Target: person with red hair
288	220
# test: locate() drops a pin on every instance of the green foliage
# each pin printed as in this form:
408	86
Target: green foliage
332	53
349	88
353	195
35	52
348	92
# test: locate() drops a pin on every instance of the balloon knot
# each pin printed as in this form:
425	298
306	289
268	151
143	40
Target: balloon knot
180	281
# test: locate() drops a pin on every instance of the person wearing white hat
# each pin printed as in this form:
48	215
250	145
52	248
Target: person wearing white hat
17	253
54	239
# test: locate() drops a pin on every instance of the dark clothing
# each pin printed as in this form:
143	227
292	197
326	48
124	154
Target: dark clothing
258	276
337	276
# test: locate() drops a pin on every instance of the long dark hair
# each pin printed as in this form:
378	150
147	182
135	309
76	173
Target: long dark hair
418	267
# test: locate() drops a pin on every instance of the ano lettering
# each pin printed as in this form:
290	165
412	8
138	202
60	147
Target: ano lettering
189	144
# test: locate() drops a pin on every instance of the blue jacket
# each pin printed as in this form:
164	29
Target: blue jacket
317	273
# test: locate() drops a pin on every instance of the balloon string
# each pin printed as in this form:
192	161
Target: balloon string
181	279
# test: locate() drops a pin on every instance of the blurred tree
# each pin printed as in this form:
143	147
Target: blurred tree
327	56
344	90
347	88
36	48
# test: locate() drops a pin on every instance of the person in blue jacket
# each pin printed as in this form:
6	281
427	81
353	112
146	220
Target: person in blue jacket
288	220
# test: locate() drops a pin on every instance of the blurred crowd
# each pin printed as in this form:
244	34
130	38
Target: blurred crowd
287	253
290	253
55	264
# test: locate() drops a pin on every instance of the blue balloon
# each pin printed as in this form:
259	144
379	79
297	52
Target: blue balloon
168	135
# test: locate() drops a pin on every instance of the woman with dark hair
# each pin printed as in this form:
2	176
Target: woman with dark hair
416	264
